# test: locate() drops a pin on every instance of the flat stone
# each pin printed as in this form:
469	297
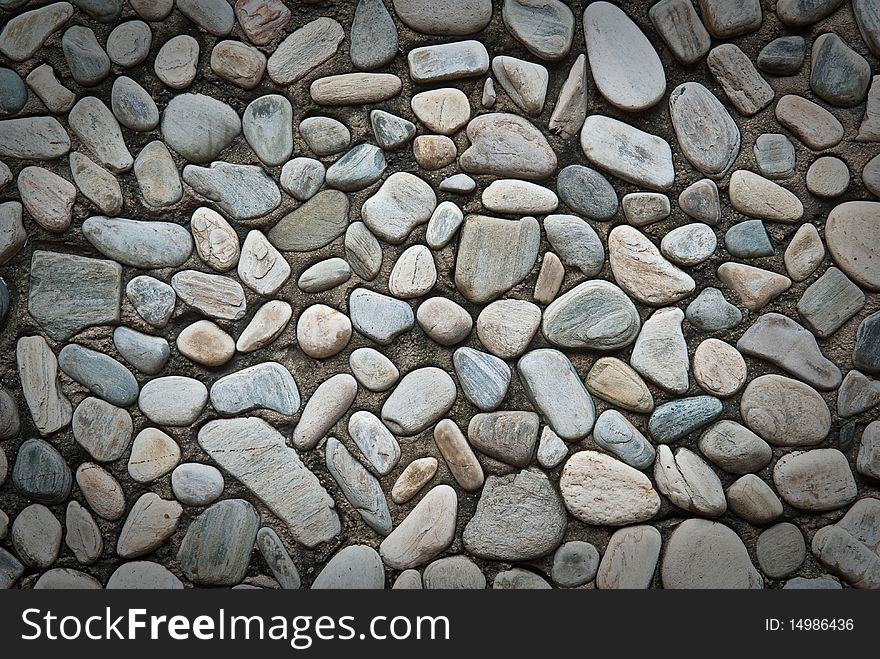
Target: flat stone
425	532
42	81
324	275
747	91
598	489
509	436
215	296
173	400
302	178
868	20
241	191
838	74
446	17
196	484
630	558
24	34
275	554
755	287
555	389
353	567
660	351
101	491
213	16
362	251
784	56
507	145
304	49
157	177
316	223
324	136
413	478
857	394
359	168
132	105
595	314
518	517
707	134
755	196
372	369
40	474
262	20
627	152
458	184
433	152
781	341
506	327
327	404
238	63
576	242
267	127
704	554
98	130
99	373
551	449
36	536
748	240
359	486
374	441
86	60
781	550
97	184
726	20
460	457
421	397
519	579
866	355
215	240
414	273
177	60
442	111
587	192
810	123
615	381
12	233
574	564
128	44
642	271
484	378
514	197
267	385
678	418
829	302
454	573
643	208
615	433
701	201
152	299
868	459
785	412
355	88
47	198
851	233
199	127
735	448
217	546
443	224
678	23
719	368
261	267
800	13
774	154
392	132
379	317
322	331
150	522
66	578
139	244
549	279
137	575
373	35
689	482
525	82
10	424
815	480
102	429
153	454
545	29
690	244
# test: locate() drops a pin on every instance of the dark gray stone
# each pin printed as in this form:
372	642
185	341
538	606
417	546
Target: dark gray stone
275	554
866	353
847	436
99	373
783	56
86	60
10	569
40	473
678	418
103	11
838	74
13	93
748	240
391	131
357	169
867	13
373	35
216	549
316	223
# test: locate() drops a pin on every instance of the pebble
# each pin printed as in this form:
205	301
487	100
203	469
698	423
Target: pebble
137	575
43	82
99	373
425	532
275	554
14	93
838	74
800	13
353	567
392	131
128	44
413	478
33	138
372	369
261	267
215	296
36	536
86	60
701	201
215	240
324	136
176	62
97	184
10	569
828	177
174	400
454	573
705	554
359	168
153	454
329	402
869	131
444	223
253	452
152	299
373	35
847	548
545	29
66	578
459	456
213	16
238	63
360	487
643	208
868	460
241	191
24	34
598	489
102	429
449	61
484	378
785	412
519	517
642	271
726	20
379	317
104	11
632	79
678	418
150	522
304	49
446	17
781	341
812	124
595	314
690	244
262	20
101	491
509	436
205	343
627	152
302	178
524	82
868	19
678	23
506	327
866	353
157	177
47	198
516	197
355	88
774	154
316	223
40	474
781	550
488	98
575	241
507	145
660	352
375	442
755	196
421	398
324	275
746	90
363	252
444	111
857	394
748	240
815	480
618	383
784	56
551	449
414	273
707	134
555	389
549	279
267	127
140	244
433	152
519	579
10	424
755	287
719	368
587	192
12	233
574	564
851	233
322	331
630	558
199	127
217	546
196	484
615	433
689	482
494	255
735	448
829	302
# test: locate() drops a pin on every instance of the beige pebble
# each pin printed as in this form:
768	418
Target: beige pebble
719	368
414	478
459	455
205	343
322	331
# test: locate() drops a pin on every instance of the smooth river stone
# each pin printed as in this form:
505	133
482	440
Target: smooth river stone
199	127
356	567
506	327
753	195
755	287
719	368
176	62
509	436
157	177
525	82
329	403
494	255
460	457
153	300
829	302
379	317
372	369
304	49
373	36
47	198
516	197
484	378
618	383
102	429
576	243
173	400
214	295
642	271
783	56
555	389
545	28
706	133
632	78
243	192
616	434
810	123
218	544
660	352
690	244
735	448
402	203
40	473
785	412
747	91
507	145
678	23
425	532
86	60
705	554
34	138
774	155
146	245
374	441
133	106
816	480
355	89
595	314
359	486
267	385
444	17
627	152
444	321
98	130
838	74
24	34
689	482
421	398
587	192
601	490
316	223
677	418
852	233
781	341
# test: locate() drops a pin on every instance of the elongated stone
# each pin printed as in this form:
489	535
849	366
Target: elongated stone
678	418
555	389
355	88
458	455
33	138
215	296
627	152
24	34
810	123
484	378
680	26
755	196
102	429
735	448
379	317
329	403
425	532
414	477
358	485
616	434
642	271
571	105
745	88
316	223
139	244
98	130
375	442
689	482
706	133
618	383
449	61
263	386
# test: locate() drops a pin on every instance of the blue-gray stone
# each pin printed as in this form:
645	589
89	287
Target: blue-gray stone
153	299
103	11
241	191
616	434
847	436
268	385
216	549
574	564
587	192
710	312
576	242
783	56
86	60
146	353
677	418
359	486
139	244
817	583
5	302
40	473
866	354
391	131
867	13
596	315
278	559
774	154
357	169
838	74
829	302
373	35
10	569
13	93
484	378
748	240
103	375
